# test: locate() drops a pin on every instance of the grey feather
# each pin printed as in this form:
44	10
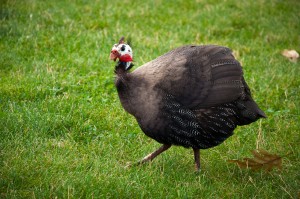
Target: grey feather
193	96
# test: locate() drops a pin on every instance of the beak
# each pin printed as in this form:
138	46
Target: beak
114	55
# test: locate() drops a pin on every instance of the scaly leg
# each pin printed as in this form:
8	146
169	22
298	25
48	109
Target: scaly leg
197	159
151	156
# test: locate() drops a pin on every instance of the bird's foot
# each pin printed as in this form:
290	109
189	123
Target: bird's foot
197	168
149	157
130	164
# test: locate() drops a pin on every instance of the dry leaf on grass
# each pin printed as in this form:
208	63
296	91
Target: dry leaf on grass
292	55
261	160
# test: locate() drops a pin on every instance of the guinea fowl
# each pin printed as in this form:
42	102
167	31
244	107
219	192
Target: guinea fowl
192	96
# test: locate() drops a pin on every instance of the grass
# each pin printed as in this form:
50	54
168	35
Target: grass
64	133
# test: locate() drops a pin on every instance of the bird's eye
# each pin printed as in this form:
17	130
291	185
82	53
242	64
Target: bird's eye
123	48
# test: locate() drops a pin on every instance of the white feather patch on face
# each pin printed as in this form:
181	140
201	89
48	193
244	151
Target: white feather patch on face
115	47
123	49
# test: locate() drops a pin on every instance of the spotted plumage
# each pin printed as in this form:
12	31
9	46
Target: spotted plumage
192	96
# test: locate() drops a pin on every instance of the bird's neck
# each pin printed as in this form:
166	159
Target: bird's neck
121	71
122	83
122	68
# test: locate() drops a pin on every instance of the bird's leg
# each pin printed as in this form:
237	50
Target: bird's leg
151	156
197	159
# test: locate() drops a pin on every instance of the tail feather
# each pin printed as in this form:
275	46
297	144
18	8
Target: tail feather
250	112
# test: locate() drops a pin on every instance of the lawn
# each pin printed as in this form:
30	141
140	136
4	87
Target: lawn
64	133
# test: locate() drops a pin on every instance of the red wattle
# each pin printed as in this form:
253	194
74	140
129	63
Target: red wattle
125	58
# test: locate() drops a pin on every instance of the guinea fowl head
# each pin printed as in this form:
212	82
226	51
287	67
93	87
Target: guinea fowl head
123	52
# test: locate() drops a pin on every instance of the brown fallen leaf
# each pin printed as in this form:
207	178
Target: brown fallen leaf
292	55
261	160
